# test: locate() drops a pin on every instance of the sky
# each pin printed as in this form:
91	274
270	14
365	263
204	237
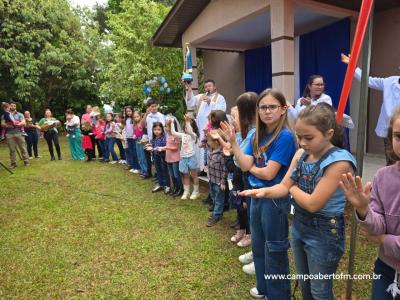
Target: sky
89	3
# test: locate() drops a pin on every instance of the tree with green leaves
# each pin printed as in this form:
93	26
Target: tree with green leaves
131	24
45	59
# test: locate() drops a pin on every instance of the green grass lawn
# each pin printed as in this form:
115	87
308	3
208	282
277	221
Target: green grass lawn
76	230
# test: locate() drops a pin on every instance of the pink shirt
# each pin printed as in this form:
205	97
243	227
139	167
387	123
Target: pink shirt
172	156
138	131
86	118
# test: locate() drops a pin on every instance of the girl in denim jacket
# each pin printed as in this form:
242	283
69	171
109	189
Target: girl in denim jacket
318	229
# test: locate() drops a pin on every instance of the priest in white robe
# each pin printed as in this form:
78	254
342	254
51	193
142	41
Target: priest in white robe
202	105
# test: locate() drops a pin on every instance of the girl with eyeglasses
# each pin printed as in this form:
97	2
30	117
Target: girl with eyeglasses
266	153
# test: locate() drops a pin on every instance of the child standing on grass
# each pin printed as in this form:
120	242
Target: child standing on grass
99	136
110	139
217	176
378	211
188	164
87	145
266	155
131	155
138	134
158	143
119	126
172	158
318	229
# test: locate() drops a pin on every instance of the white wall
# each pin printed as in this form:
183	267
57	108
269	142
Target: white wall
227	69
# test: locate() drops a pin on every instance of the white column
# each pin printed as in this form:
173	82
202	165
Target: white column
282	47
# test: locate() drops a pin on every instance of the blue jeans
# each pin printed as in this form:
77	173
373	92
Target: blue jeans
121	149
32	139
131	156
141	156
101	147
270	244
217	196
380	285
161	168
318	244
110	149
173	169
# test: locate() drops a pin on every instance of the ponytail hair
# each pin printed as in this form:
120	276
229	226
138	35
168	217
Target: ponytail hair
323	117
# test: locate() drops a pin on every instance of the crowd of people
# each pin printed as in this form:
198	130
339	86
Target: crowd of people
255	163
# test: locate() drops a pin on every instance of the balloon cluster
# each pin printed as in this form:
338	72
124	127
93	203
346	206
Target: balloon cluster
157	82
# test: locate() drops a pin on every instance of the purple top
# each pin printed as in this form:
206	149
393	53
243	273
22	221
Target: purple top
109	130
383	216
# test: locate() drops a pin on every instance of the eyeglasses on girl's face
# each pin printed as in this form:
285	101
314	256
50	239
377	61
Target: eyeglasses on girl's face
272	108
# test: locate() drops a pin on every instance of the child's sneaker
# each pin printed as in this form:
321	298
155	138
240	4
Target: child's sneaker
195	195
246	258
249	269
238	236
256	294
214	220
245	241
185	195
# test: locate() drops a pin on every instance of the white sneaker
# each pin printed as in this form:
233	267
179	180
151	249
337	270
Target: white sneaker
246	258
113	162
249	269
255	294
185	196
136	171
194	195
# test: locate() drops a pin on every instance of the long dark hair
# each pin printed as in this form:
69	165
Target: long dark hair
247	108
261	128
390	152
323	117
216	117
157	124
112	118
133	111
310	81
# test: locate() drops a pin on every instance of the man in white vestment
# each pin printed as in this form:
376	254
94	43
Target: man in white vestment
202	105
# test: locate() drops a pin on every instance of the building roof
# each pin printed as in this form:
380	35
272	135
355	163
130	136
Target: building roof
184	12
179	18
